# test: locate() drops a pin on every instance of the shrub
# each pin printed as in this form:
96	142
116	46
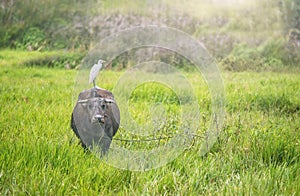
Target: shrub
273	53
33	39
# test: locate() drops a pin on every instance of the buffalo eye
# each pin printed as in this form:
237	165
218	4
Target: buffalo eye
91	106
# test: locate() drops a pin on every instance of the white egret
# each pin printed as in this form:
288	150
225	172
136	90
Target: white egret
94	71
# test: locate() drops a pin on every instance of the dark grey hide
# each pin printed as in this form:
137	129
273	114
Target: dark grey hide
95	119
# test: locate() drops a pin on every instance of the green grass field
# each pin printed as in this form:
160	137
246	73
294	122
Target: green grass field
257	153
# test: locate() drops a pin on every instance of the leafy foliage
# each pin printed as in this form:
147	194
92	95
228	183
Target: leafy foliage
43	22
270	55
291	10
34	39
270	29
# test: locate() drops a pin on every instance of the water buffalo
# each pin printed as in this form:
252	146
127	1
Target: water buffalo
95	118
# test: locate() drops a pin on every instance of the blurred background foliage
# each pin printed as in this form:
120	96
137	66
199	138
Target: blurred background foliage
241	34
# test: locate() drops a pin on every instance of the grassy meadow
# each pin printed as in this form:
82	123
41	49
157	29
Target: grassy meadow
257	153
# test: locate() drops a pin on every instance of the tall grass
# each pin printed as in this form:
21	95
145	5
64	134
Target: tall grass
257	152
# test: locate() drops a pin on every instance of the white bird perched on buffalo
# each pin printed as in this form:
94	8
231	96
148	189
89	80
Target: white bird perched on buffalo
95	71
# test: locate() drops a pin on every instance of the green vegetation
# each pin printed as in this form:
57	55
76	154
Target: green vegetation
58	59
269	28
257	152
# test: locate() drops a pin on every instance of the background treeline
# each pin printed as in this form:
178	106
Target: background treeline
40	24
240	34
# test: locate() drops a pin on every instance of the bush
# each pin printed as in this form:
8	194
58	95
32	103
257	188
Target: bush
27	23
33	39
243	58
273	53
